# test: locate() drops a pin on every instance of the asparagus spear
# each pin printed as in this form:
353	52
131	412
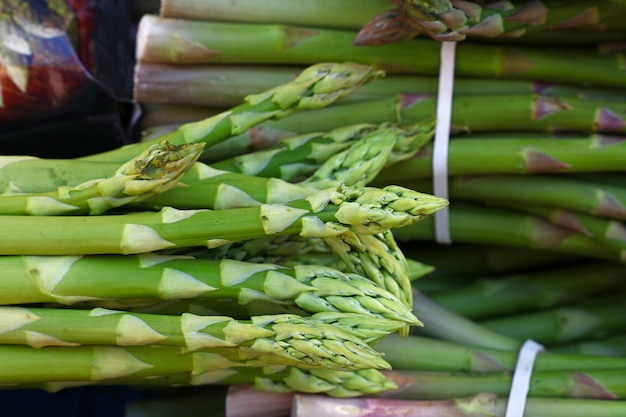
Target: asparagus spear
605	231
317	86
446	20
219	42
521	155
599	317
325	213
588	197
428	354
222	86
55	368
496	226
292	339
545	288
214	189
348	14
475	113
149	276
602	384
156	170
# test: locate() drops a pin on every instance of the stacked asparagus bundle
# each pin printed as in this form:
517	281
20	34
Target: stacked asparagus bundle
517	109
145	266
534	161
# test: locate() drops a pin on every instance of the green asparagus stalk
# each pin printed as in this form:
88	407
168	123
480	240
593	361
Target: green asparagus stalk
445	20
544	190
55	368
224	190
475	113
499	296
605	231
599	317
28	174
155	171
481	404
477	224
227	85
368	328
428	354
292	339
317	86
198	42
313	289
328	212
601	385
523	155
348	14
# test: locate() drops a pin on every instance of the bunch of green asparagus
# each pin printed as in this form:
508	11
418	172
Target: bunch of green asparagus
535	169
145	266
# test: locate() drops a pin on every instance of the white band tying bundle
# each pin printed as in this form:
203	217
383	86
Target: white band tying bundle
442	139
521	378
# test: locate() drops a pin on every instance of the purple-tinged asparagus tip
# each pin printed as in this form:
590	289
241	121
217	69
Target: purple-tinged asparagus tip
609	121
533	13
609	206
601	141
388	27
539	87
566	219
538	162
546	106
584	386
408	100
591	16
547	235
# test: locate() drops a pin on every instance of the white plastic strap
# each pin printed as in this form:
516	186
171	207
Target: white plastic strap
442	138
521	378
